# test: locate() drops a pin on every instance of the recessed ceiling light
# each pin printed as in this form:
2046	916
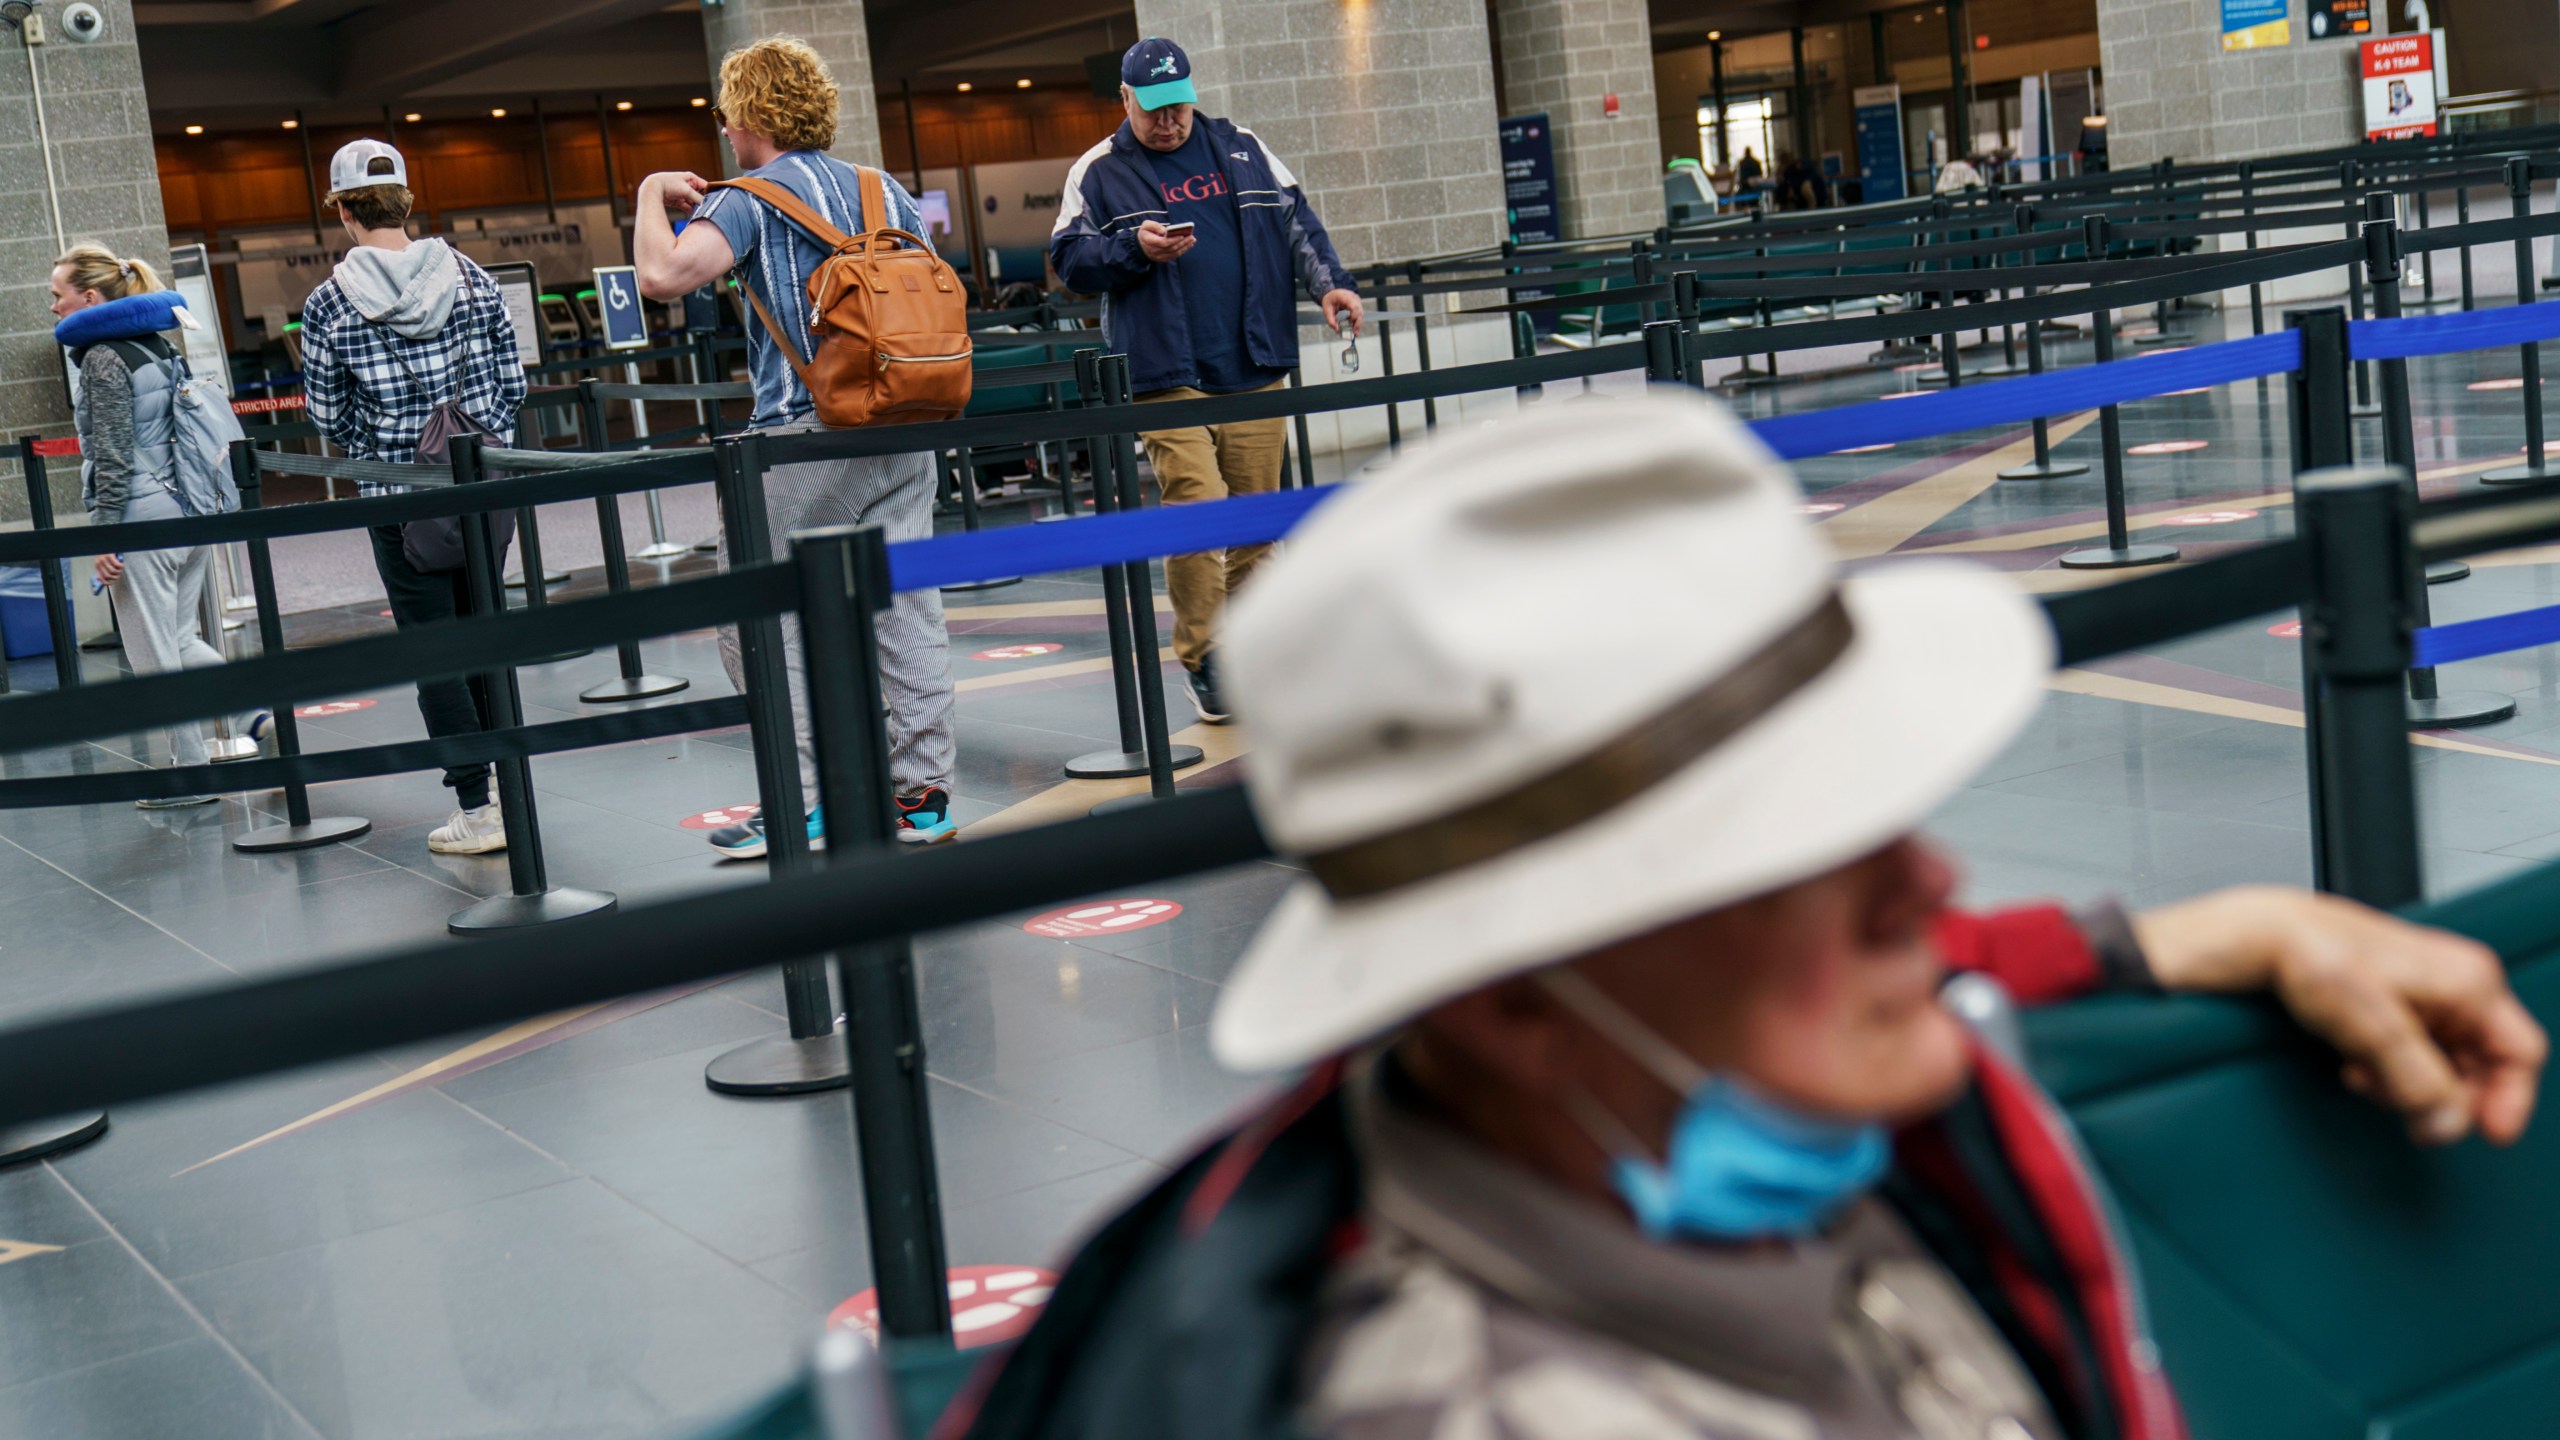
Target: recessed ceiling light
699	102
1715	34
621	104
293	124
1022	84
498	112
966	87
195	129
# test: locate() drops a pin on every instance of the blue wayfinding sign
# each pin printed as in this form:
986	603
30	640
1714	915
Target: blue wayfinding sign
1529	178
1880	155
626	325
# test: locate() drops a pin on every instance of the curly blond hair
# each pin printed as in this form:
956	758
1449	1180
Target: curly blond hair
781	90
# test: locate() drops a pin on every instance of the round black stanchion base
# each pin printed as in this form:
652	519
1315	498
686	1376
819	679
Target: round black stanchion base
1118	803
967	586
2525	474
782	1066
2050	470
2457	709
511	912
37	1139
1748	375
326	830
1121	764
551	580
563	655
633	687
2126	558
2365	410
2001	371
2165	337
2445	572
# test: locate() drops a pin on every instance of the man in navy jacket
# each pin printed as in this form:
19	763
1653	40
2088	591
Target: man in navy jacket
1198	239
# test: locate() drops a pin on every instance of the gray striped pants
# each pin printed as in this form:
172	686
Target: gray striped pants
895	492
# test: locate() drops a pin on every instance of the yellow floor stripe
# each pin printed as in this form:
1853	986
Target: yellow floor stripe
24	1249
1893	519
2145	692
514	1034
1071	799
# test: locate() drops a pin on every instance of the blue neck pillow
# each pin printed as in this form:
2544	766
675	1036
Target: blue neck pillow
130	318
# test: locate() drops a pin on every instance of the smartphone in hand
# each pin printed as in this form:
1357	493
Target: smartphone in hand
1179	227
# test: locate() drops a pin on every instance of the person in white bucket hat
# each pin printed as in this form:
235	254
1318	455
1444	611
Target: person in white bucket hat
1633	1106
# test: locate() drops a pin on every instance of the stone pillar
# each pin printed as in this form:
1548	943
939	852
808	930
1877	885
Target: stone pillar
1565	57
837	31
108	183
2172	90
1383	108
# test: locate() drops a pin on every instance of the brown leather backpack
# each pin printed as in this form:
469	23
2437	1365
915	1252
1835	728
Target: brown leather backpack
891	319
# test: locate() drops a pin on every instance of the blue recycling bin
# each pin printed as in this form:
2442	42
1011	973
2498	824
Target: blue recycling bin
23	631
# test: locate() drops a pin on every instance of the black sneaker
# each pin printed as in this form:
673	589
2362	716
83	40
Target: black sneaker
1203	685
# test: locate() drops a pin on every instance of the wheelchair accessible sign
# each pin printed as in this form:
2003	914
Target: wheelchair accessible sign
626	325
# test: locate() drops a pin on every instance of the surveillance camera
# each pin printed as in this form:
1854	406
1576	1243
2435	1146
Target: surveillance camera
83	23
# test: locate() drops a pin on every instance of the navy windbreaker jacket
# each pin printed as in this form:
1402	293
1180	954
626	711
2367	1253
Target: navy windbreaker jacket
1113	190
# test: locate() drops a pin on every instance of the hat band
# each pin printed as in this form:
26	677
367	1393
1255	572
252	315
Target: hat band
1591	785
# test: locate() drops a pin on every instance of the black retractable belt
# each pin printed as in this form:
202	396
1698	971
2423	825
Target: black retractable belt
844	582
300	830
532	898
2119	552
808	1058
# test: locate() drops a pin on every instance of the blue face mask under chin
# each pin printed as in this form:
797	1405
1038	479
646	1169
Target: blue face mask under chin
1741	1166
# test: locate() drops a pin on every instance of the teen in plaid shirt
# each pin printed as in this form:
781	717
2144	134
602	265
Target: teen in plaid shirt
400	328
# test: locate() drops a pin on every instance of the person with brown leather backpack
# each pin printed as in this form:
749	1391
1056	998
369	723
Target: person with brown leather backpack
791	229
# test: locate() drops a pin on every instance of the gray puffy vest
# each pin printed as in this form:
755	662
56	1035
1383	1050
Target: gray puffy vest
155	425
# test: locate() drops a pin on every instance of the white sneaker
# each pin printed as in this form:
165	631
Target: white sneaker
470	832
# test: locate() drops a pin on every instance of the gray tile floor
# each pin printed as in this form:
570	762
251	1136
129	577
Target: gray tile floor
580	1239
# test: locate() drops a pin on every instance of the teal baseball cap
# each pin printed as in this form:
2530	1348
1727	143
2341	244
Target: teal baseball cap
1158	74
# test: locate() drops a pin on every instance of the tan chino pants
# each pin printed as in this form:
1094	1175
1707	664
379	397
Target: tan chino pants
1210	462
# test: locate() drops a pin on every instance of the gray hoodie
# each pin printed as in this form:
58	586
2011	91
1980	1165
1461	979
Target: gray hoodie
412	291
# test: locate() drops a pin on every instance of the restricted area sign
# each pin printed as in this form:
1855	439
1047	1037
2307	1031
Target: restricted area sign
989	1303
2399	86
720	819
1101	917
326	708
1017	652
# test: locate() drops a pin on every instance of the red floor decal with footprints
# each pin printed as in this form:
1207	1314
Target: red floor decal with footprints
989	1303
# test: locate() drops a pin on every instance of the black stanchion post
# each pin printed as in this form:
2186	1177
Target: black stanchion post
1641	275
300	831
1422	343
808	1058
2365	408
1684	300
1163	756
634	683
1306	449
1387	366
2536	466
2043	467
2249	210
2324	438
1131	758
57	594
844	582
2429	708
532	900
2461	218
2120	552
2427	260
529	543
1662	353
2355	644
962	467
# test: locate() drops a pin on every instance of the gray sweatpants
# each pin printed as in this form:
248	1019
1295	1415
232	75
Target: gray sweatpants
894	492
159	604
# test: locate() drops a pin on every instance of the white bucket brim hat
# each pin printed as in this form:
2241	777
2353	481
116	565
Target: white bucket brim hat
1570	678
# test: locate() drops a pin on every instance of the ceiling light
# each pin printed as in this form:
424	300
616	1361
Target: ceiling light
1715	34
1023	84
621	104
966	87
699	102
293	124
195	129
498	112
411	117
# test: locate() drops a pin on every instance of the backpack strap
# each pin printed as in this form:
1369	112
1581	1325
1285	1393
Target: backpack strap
875	203
781	341
781	199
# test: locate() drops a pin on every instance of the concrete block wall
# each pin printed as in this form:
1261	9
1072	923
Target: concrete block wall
833	28
1383	108
109	185
1563	57
2173	90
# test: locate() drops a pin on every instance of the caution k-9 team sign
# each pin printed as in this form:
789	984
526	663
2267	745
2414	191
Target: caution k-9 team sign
2399	87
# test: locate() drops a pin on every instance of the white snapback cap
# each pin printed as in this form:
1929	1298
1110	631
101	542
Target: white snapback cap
352	168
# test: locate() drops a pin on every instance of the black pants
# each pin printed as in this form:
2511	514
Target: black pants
452	705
